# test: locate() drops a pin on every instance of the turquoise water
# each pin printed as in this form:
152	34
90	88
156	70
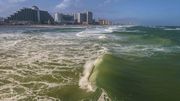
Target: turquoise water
95	63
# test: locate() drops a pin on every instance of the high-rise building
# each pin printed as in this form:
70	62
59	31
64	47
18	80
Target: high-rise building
31	15
75	18
57	17
85	18
64	18
1	20
81	18
89	19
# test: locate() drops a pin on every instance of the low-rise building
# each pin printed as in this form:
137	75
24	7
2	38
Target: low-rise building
104	22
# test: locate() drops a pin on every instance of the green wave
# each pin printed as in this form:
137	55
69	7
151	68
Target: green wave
145	79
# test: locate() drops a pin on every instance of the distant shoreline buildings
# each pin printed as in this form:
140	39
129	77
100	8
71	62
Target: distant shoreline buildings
85	18
30	16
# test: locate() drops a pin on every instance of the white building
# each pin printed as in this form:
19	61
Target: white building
57	17
76	18
85	18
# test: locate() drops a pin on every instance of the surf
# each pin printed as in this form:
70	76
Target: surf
89	77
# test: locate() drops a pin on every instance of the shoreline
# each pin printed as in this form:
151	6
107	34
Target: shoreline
52	26
43	26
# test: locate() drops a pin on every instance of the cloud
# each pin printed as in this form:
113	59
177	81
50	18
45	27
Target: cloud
7	6
65	4
106	2
11	1
16	1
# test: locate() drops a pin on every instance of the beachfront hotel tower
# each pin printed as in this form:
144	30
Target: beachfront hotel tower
30	15
84	18
64	18
89	18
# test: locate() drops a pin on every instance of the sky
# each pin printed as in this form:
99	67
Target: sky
147	12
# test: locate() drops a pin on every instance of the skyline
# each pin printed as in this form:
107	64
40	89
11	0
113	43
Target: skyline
154	12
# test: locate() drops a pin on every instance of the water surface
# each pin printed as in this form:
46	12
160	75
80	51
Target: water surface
117	63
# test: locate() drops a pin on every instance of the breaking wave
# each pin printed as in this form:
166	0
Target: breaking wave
89	77
95	31
172	29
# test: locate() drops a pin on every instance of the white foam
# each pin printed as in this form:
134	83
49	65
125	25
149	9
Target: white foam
84	82
116	28
102	37
141	50
172	29
95	31
104	96
35	56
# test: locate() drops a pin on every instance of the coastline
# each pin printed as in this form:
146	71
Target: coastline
51	26
44	26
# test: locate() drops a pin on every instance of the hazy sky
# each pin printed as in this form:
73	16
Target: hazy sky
162	12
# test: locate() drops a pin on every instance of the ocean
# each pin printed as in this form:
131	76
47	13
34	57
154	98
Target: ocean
94	63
